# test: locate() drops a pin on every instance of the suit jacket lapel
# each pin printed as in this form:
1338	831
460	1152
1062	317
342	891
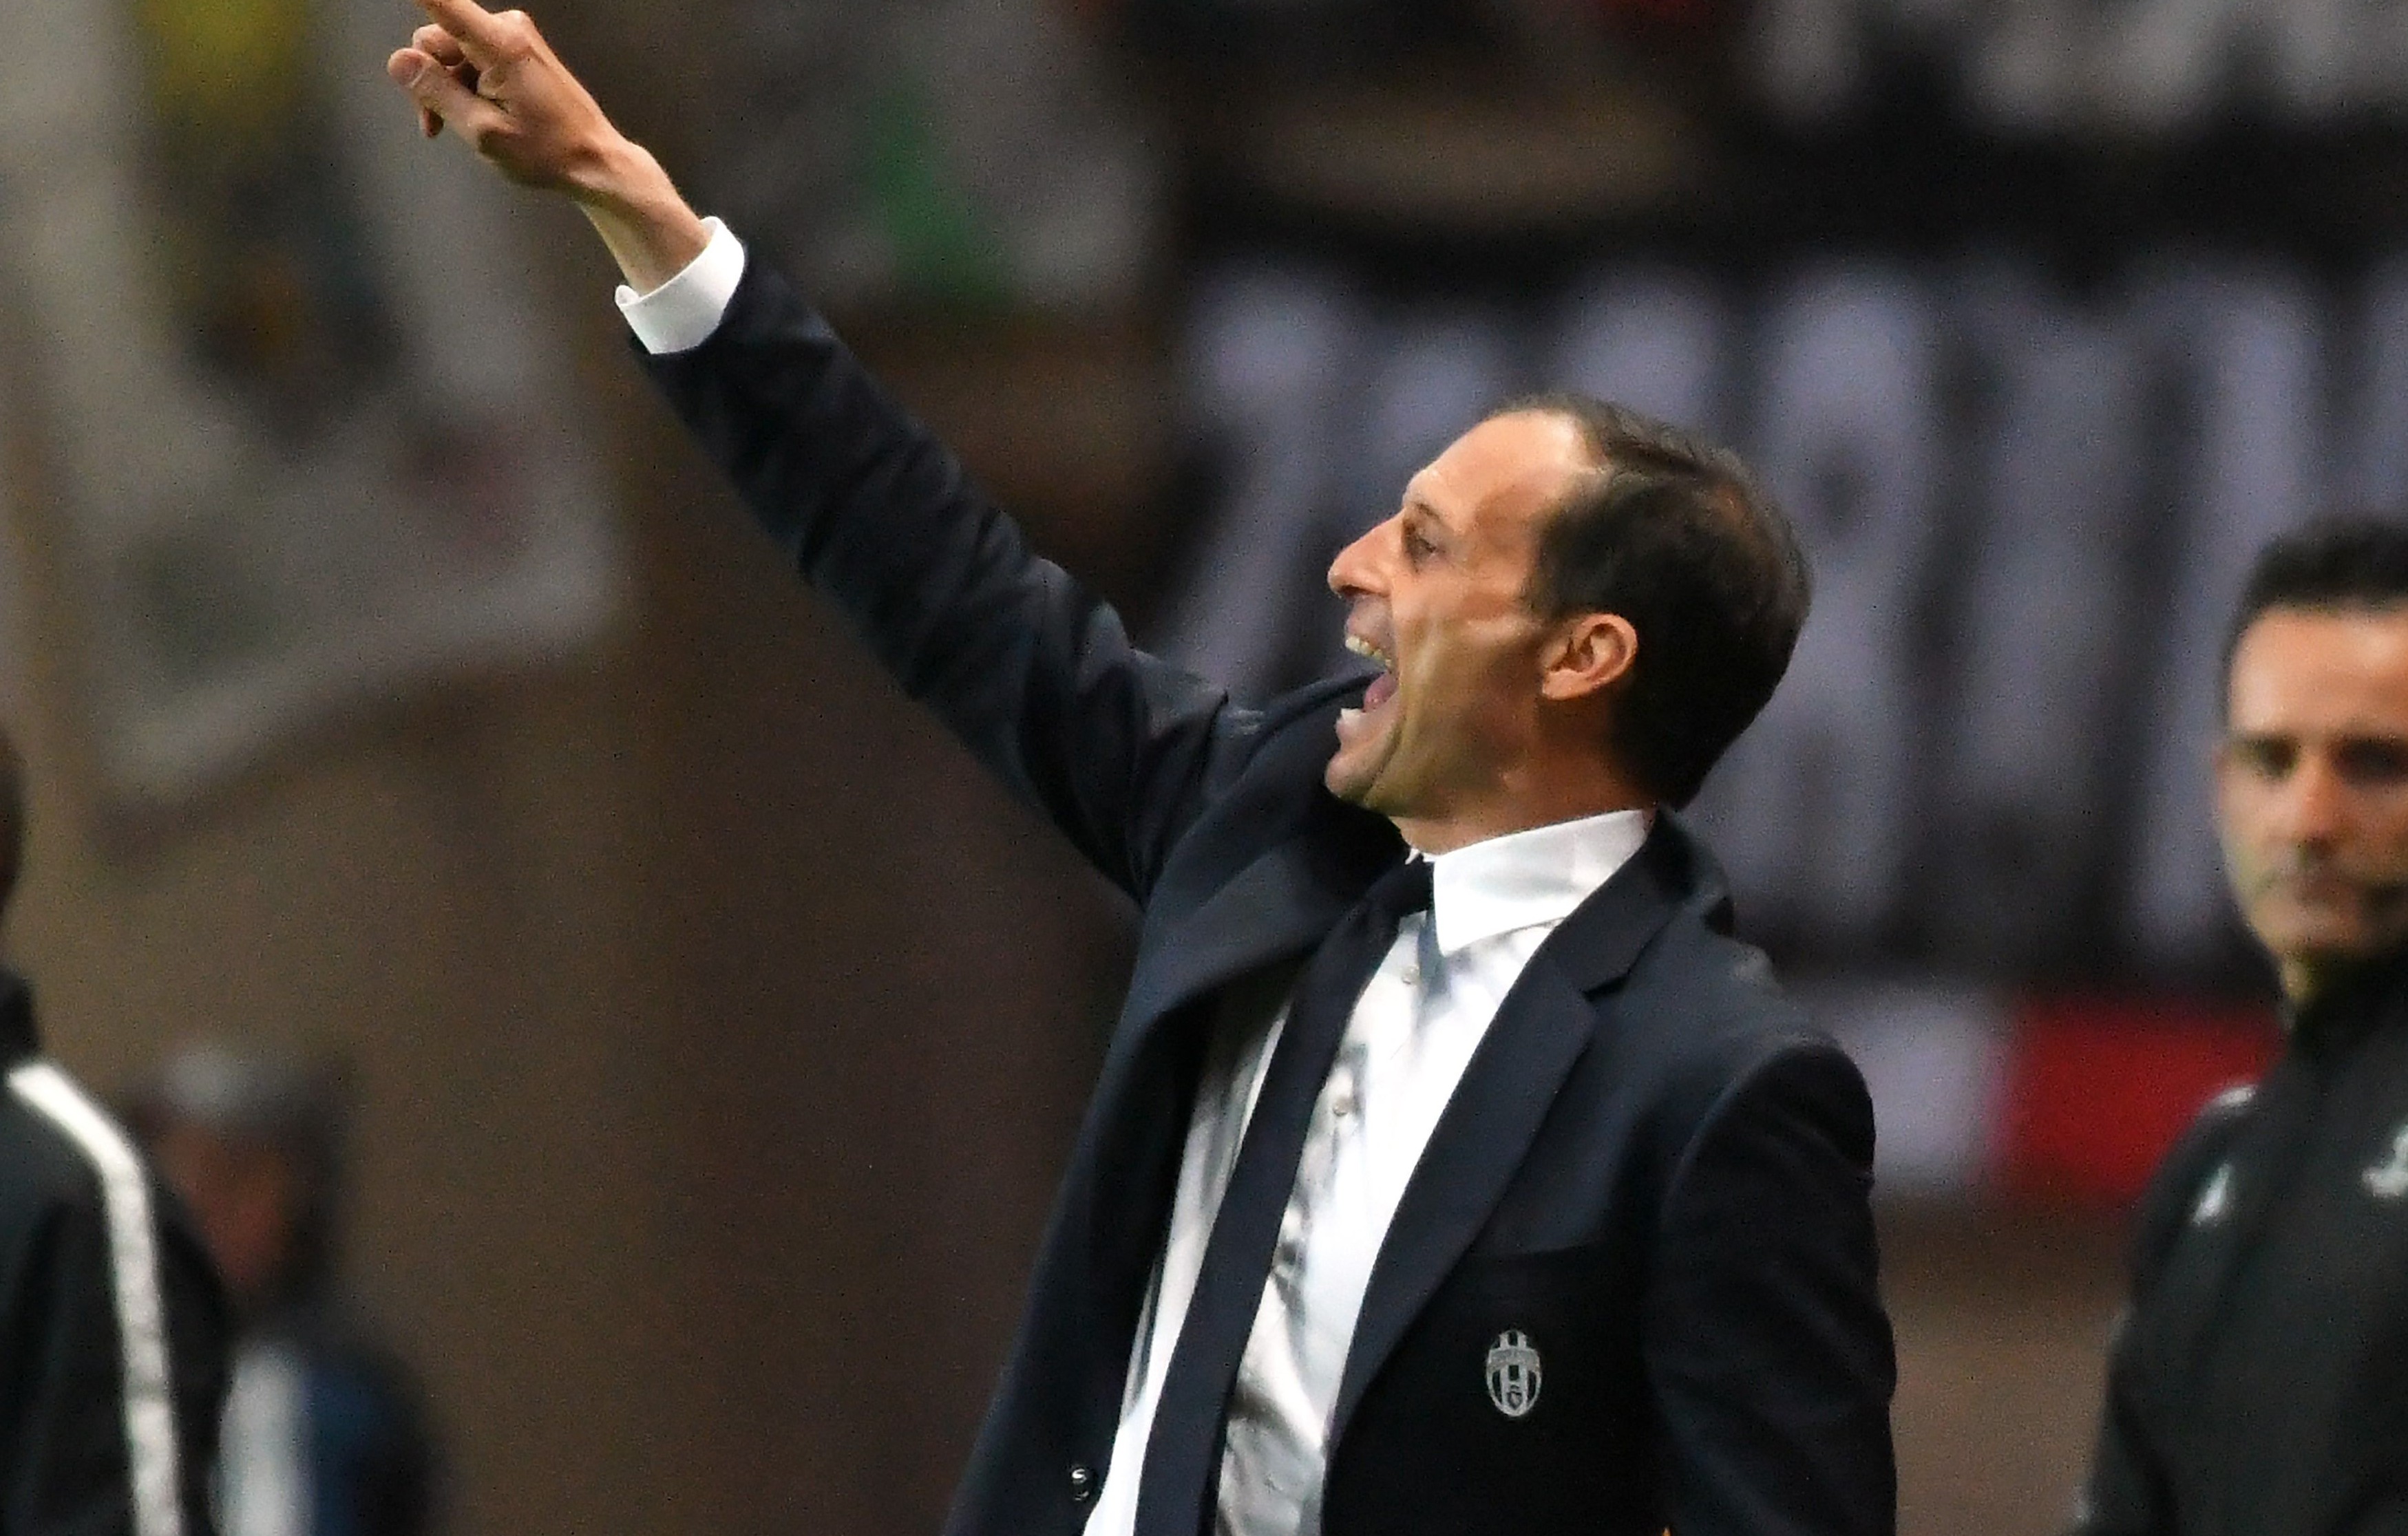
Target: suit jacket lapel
1274	909
1540	1029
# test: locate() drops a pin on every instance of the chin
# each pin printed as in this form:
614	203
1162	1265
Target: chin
1353	788
2322	947
1353	773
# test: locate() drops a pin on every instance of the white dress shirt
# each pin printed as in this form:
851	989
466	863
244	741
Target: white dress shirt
1413	1032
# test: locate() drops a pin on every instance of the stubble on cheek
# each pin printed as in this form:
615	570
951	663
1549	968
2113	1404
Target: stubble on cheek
2323	913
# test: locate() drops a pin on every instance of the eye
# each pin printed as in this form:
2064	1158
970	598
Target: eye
2263	757
1417	545
2372	761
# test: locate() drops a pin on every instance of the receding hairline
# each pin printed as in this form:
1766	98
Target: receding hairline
1721	478
1586	474
1619	439
1682	452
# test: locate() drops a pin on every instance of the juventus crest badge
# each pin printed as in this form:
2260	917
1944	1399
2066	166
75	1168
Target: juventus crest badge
1513	1373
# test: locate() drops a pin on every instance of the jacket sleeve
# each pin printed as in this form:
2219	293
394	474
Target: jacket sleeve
83	1429
1765	1339
2124	1492
1036	677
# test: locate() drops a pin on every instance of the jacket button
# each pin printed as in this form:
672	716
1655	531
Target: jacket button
1082	1482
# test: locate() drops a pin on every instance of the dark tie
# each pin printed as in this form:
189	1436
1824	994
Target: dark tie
1182	1451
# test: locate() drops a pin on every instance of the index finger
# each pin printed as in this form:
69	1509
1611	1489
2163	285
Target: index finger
475	29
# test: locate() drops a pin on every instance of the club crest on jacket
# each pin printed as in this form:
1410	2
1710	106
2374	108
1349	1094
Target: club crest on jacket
1513	1373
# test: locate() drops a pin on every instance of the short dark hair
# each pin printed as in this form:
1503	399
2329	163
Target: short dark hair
2334	563
1674	533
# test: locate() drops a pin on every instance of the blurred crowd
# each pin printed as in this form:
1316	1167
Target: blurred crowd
326	1430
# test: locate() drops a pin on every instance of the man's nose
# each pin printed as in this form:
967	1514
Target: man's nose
2318	804
1355	571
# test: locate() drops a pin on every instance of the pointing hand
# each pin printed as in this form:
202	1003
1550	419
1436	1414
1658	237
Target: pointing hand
498	83
494	79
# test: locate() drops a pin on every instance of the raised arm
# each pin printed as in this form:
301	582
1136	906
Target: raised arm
1038	677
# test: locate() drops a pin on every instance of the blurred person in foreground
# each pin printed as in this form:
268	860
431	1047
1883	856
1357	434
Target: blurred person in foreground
325	1433
113	1330
2259	1380
1451	1169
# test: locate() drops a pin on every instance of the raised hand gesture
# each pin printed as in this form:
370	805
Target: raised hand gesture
493	79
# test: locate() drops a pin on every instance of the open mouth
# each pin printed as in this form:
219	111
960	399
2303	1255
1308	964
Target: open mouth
1384	687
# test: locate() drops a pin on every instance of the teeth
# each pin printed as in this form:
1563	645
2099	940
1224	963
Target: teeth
1363	647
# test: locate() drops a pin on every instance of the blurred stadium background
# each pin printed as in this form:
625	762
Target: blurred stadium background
400	686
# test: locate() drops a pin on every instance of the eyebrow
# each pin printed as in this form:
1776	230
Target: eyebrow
2344	740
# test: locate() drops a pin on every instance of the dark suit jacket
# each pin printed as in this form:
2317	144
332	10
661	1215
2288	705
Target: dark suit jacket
1653	1168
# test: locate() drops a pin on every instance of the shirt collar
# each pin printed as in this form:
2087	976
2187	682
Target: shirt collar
1529	877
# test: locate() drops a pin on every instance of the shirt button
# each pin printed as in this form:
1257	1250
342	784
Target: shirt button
1082	1482
1342	1105
1410	976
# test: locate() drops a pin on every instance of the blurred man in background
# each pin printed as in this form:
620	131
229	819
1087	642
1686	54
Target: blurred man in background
324	1432
2258	1383
113	1330
1451	1169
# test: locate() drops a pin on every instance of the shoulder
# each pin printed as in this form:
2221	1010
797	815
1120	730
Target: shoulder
2176	1189
76	1190
58	1147
2220	1118
1735	1048
1692	1018
1714	999
78	1205
2203	1143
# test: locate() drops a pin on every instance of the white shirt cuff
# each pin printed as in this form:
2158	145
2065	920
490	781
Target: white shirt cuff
682	312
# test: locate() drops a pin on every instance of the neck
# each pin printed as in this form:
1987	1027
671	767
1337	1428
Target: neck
2302	982
2307	981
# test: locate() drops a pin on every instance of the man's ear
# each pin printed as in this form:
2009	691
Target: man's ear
1590	653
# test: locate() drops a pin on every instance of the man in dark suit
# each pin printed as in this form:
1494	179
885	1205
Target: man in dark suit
1451	1169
